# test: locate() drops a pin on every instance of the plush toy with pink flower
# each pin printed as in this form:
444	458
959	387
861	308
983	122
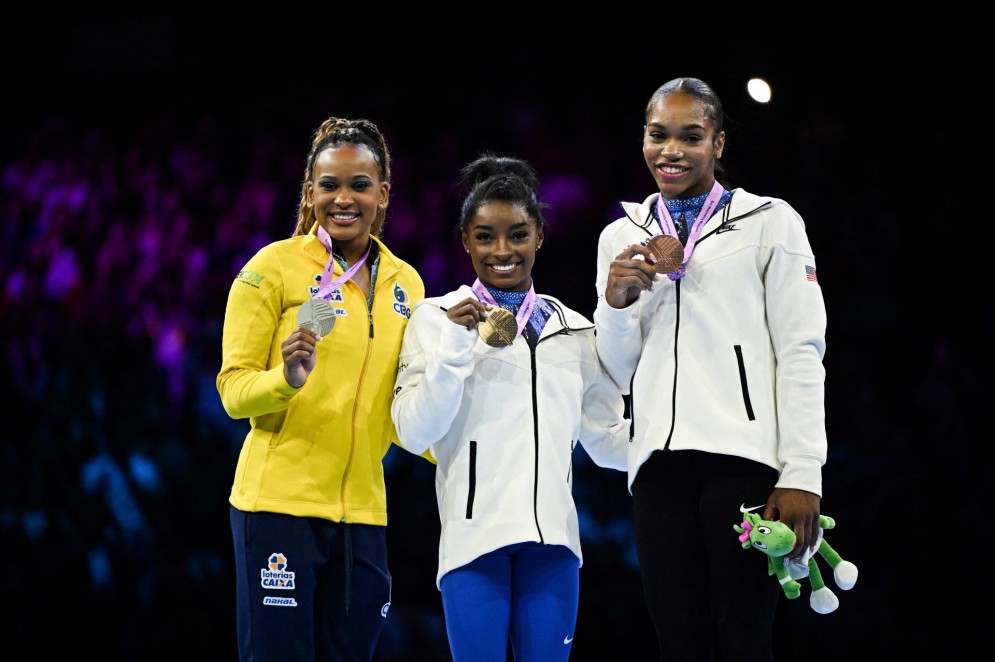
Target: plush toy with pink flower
776	540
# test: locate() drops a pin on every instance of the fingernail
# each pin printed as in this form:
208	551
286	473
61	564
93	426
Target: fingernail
317	338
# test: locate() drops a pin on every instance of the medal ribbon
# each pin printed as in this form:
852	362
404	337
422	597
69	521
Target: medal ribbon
667	224
524	312
325	290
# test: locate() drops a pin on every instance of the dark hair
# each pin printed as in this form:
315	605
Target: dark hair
336	131
697	88
701	91
501	178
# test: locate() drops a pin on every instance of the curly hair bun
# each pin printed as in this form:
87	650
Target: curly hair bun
501	178
489	165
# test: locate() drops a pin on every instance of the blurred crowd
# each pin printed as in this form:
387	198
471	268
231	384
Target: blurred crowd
118	244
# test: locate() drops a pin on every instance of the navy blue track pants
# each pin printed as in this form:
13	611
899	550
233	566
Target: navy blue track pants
308	588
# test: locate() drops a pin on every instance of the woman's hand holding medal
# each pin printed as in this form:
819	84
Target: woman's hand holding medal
496	326
468	312
630	275
300	354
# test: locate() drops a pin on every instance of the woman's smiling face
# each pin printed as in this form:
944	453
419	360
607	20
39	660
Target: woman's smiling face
502	241
346	193
680	145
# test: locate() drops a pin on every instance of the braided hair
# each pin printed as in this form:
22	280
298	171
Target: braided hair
333	132
501	178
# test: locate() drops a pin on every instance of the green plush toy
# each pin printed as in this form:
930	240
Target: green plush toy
775	540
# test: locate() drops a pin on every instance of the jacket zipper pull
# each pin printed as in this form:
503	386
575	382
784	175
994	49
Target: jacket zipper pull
371	323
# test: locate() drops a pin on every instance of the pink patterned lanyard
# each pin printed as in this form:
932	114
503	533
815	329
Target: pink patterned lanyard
667	224
326	288
524	311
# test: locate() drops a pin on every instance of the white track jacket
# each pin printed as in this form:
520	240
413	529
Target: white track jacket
502	424
729	358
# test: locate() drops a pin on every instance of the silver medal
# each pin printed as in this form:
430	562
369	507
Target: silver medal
317	316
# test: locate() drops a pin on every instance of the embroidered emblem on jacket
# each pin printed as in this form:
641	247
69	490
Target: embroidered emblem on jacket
250	278
401	300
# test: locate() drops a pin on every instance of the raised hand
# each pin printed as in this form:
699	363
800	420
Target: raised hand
300	355
468	312
628	276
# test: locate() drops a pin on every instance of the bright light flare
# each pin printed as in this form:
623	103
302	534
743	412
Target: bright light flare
759	90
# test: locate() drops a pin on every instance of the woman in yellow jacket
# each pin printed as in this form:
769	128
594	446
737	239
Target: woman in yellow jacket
308	502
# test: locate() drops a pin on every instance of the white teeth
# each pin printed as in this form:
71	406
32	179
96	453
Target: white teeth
673	170
503	267
345	216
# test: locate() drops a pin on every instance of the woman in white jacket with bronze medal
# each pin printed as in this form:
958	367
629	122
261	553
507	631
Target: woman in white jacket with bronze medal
711	316
501	384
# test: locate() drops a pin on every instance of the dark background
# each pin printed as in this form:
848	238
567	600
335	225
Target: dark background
146	155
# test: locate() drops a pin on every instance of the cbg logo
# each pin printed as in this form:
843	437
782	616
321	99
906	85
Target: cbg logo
401	299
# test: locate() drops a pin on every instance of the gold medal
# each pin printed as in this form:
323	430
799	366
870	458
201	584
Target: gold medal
499	328
667	251
317	316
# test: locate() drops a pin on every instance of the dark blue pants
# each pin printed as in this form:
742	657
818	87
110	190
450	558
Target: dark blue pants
308	588
528	591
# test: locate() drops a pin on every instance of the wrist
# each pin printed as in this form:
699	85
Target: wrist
291	379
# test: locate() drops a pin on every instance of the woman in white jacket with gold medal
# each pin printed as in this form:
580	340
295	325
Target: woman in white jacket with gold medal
501	399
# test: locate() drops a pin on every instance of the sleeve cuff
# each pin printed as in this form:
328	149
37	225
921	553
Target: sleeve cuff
616	320
802	473
275	381
456	343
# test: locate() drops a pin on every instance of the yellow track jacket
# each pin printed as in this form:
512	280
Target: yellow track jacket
316	451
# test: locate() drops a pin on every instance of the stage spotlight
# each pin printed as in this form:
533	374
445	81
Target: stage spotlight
759	90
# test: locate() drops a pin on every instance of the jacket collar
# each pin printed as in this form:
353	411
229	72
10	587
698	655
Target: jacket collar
563	318
742	204
313	247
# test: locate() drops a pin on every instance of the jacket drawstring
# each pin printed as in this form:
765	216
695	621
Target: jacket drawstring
347	536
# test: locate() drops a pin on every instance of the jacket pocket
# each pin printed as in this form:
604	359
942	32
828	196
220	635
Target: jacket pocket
570	465
742	382
629	404
473	480
274	424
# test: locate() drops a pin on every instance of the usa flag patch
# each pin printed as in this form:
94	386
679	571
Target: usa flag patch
810	274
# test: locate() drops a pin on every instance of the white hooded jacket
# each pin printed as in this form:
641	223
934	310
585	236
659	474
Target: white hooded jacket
729	358
502	424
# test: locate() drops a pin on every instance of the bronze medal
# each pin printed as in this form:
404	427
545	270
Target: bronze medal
667	251
499	329
317	316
